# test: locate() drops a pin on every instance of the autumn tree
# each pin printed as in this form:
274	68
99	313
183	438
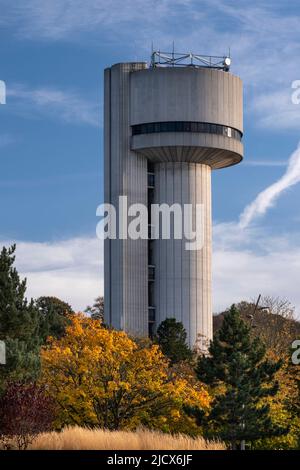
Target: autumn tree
25	411
284	406
242	379
273	321
276	325
100	377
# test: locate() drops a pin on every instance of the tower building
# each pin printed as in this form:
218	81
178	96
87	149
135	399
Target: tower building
166	127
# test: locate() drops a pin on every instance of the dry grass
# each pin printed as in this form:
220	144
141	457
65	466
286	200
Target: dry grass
76	438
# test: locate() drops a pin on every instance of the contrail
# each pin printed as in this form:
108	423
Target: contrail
269	196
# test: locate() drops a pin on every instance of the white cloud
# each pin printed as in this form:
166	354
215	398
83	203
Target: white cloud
248	264
267	198
266	163
71	270
275	109
245	264
61	19
63	105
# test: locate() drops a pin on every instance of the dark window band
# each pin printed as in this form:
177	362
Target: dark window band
186	126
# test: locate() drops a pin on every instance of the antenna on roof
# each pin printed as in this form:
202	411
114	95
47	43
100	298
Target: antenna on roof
175	59
152	52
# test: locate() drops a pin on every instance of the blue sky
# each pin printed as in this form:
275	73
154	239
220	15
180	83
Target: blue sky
52	57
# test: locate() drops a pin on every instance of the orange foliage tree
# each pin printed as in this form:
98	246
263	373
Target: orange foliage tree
101	377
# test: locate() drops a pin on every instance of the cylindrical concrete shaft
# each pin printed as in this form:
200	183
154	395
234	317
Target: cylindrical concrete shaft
183	277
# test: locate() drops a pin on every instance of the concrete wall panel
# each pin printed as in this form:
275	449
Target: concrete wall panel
125	261
186	94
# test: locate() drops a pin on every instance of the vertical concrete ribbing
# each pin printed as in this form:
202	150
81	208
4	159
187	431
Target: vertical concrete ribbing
126	174
193	173
107	189
177	249
184	275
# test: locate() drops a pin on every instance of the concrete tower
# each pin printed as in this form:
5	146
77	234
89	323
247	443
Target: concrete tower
166	127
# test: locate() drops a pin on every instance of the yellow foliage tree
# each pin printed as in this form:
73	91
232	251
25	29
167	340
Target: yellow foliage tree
101	377
282	406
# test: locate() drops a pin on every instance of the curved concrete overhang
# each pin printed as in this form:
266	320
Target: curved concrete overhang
217	151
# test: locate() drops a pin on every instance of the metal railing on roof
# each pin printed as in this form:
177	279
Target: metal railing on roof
176	59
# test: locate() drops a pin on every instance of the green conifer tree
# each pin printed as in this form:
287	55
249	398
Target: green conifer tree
53	316
19	323
240	378
171	336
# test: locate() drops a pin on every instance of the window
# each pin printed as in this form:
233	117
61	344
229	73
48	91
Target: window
151	314
186	126
150	167
151	180
151	294
151	273
150	228
157	127
151	321
151	329
150	252
194	127
219	129
206	127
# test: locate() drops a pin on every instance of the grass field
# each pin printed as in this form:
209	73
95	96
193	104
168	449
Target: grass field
76	438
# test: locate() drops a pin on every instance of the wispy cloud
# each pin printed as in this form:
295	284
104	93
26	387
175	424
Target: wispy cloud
67	106
275	110
267	62
270	195
61	19
70	269
247	263
266	163
247	260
